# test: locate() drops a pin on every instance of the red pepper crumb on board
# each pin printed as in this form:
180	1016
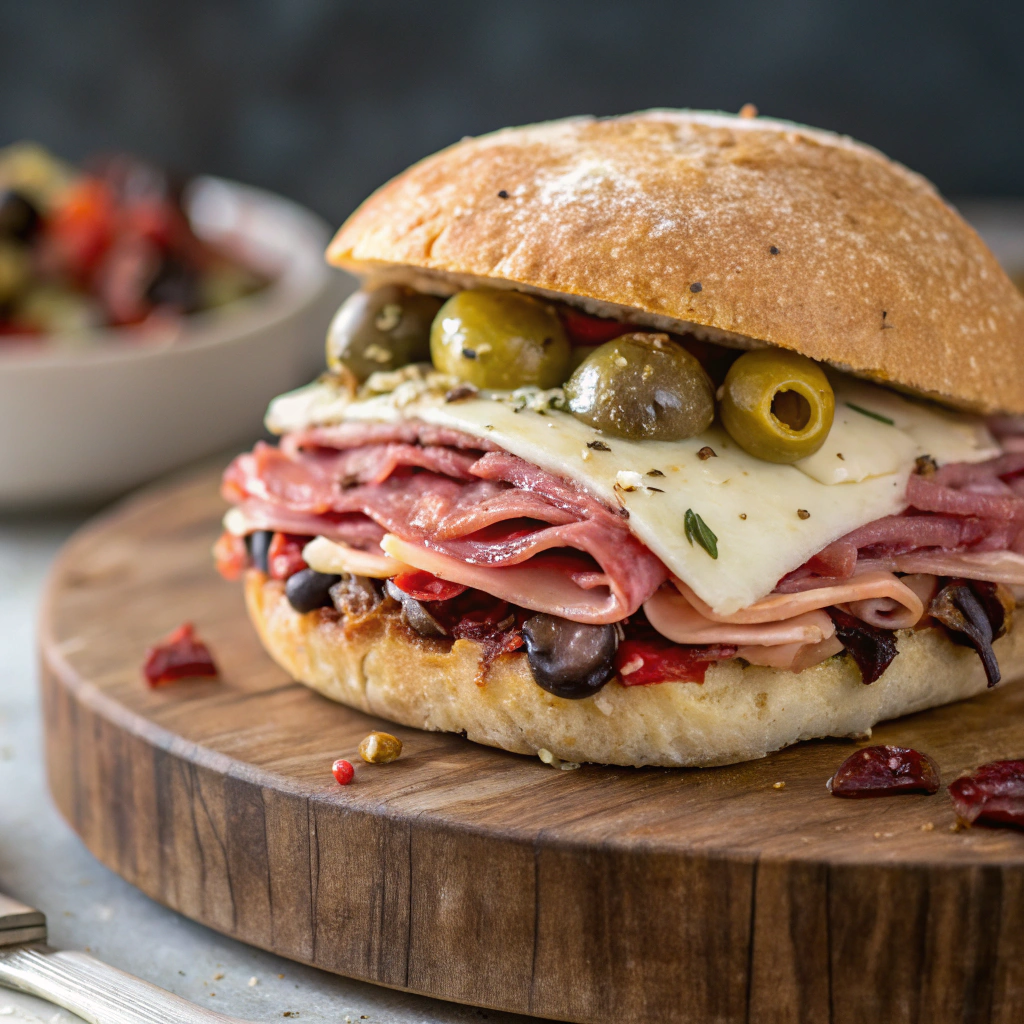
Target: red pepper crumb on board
180	655
343	771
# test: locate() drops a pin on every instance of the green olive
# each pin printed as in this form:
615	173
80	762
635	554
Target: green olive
777	405
381	329
580	354
642	386
500	340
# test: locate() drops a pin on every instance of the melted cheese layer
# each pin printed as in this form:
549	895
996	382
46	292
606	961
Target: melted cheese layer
768	518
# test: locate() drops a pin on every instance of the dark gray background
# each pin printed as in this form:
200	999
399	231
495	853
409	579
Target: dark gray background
325	99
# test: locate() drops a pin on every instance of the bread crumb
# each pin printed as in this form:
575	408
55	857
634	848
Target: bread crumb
778	785
928	826
218	976
253	981
748	111
556	762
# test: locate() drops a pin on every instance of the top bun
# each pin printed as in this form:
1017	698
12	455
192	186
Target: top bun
747	230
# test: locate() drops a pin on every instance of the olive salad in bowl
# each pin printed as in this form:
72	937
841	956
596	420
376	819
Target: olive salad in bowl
144	322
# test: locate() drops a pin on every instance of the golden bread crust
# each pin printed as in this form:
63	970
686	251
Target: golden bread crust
381	667
761	229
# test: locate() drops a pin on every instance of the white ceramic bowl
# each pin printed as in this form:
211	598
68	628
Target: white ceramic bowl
81	423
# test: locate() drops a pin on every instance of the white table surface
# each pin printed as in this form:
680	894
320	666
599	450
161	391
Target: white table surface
43	863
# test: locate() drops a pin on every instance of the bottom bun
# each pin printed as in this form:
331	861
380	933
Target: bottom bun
741	712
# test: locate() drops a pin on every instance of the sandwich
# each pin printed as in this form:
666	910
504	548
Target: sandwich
666	439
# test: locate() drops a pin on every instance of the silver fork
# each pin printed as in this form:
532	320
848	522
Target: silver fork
82	984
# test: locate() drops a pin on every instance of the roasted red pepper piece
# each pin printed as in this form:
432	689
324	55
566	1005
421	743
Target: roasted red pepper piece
284	557
426	587
230	556
992	795
641	662
79	232
180	655
885	771
591	330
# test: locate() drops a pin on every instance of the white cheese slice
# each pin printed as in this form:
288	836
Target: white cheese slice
768	518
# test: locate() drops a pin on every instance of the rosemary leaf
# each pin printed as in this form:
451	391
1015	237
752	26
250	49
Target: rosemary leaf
697	530
874	415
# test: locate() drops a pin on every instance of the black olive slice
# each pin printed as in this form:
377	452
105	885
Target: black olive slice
570	659
258	543
308	589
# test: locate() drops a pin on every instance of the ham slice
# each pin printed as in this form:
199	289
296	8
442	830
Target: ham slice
355	530
791	657
889	613
675	617
788	630
779	607
539	585
995	566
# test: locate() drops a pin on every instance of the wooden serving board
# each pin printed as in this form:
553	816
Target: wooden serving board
603	894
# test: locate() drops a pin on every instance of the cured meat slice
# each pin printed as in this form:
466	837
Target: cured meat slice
542	585
675	617
777	608
482	513
791	657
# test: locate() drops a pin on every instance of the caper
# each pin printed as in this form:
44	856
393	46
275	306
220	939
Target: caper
501	340
642	386
382	329
777	405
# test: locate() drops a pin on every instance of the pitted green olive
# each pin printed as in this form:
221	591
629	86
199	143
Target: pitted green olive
382	329
777	405
500	340
642	386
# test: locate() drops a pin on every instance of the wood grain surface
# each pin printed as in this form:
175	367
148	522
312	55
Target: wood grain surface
603	894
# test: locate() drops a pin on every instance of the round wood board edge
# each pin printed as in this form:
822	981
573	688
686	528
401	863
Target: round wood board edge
486	878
